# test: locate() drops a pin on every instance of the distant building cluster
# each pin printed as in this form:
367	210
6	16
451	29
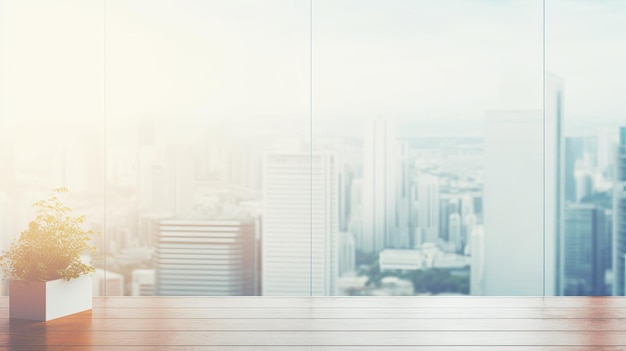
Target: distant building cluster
524	209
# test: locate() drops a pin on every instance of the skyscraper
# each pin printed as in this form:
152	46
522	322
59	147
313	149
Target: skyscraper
568	172
469	223
523	179
406	222
379	184
347	262
202	257
300	224
514	257
586	250
619	216
455	233
428	210
478	255
554	185
355	225
444	214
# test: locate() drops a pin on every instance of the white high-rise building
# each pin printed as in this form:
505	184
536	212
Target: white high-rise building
347	256
513	204
379	184
428	210
300	224
619	217
523	196
469	223
455	231
477	264
405	196
202	257
355	224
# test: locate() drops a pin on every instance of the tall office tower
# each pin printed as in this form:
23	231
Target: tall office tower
300	224
469	223
346	183
413	225
477	264
206	257
406	222
619	216
428	211
379	184
478	204
586	249
347	258
568	172
523	165
355	223
444	215
554	185
339	148
455	232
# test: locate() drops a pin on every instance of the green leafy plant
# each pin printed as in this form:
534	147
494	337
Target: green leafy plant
51	247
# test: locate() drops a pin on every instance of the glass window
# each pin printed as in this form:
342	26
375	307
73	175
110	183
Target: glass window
313	148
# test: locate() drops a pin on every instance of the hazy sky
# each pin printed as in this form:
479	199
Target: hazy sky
246	63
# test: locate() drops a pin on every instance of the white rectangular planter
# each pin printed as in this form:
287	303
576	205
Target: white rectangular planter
43	301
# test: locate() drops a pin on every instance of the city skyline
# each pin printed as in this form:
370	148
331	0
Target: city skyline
345	129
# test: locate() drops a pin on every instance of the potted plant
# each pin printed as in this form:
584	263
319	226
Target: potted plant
49	276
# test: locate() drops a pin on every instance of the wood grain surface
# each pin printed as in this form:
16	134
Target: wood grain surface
328	323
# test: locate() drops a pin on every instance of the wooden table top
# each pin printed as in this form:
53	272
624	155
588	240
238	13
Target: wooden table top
328	323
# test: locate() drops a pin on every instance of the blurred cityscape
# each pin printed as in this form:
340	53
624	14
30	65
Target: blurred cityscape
361	149
379	215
